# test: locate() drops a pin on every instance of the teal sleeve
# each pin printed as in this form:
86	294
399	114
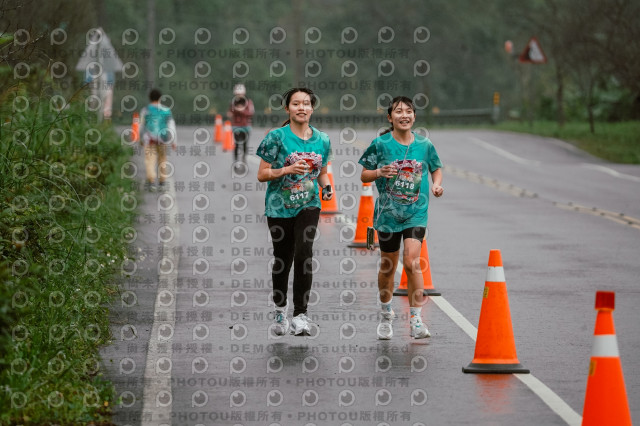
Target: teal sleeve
328	152
434	160
268	148
369	159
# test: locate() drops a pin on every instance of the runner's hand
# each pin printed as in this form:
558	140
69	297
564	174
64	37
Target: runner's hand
327	193
300	167
387	171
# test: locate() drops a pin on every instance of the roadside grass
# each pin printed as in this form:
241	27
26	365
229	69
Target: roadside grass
62	218
615	142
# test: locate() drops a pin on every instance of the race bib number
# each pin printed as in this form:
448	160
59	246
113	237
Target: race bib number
404	188
298	190
298	194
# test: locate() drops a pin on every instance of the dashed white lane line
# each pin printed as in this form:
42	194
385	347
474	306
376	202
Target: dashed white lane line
503	153
455	316
548	396
611	172
157	400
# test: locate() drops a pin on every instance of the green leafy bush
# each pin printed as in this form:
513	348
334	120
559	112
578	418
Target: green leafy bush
61	223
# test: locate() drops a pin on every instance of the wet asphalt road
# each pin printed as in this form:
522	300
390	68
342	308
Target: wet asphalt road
191	328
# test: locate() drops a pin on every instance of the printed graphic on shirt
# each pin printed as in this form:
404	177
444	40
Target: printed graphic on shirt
298	190
404	188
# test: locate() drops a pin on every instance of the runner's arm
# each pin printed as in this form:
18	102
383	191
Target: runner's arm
370	175
266	173
436	178
323	177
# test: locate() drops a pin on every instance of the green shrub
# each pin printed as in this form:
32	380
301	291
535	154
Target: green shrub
60	244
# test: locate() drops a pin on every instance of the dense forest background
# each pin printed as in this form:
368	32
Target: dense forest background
448	55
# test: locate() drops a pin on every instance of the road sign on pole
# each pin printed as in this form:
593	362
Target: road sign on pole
533	53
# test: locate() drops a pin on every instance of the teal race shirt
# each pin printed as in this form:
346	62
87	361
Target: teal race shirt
289	194
156	119
403	199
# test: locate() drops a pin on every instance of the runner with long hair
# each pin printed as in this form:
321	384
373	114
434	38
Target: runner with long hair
399	161
294	161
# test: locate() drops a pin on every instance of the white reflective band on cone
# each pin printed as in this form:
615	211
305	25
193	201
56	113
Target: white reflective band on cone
367	190
329	169
495	274
605	345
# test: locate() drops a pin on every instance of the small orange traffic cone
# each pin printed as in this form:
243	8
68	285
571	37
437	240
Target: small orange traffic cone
425	267
329	206
605	402
135	127
217	129
495	347
365	217
227	137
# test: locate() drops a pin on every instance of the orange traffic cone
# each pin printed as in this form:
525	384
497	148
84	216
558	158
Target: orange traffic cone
495	347
217	129
330	206
227	137
425	267
605	402
135	127
365	217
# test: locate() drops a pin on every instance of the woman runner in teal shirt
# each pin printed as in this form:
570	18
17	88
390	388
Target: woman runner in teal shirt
399	162
294	162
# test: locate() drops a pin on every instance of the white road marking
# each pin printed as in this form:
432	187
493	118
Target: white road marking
504	153
550	398
611	172
157	397
455	316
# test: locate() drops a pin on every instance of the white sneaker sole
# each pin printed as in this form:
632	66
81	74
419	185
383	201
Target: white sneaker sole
422	335
280	330
384	336
300	332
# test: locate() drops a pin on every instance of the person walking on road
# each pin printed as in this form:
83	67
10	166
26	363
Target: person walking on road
241	113
294	161
398	161
158	131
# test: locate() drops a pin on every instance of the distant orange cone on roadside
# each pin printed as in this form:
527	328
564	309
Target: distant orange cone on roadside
365	217
217	129
135	127
329	206
605	402
425	267
227	137
495	347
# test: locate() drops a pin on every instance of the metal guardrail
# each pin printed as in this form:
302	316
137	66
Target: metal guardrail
379	119
357	119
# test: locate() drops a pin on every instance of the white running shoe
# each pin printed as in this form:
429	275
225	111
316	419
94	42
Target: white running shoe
418	329
300	325
385	327
280	322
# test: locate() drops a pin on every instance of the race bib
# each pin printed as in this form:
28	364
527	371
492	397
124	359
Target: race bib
298	190
298	194
404	188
